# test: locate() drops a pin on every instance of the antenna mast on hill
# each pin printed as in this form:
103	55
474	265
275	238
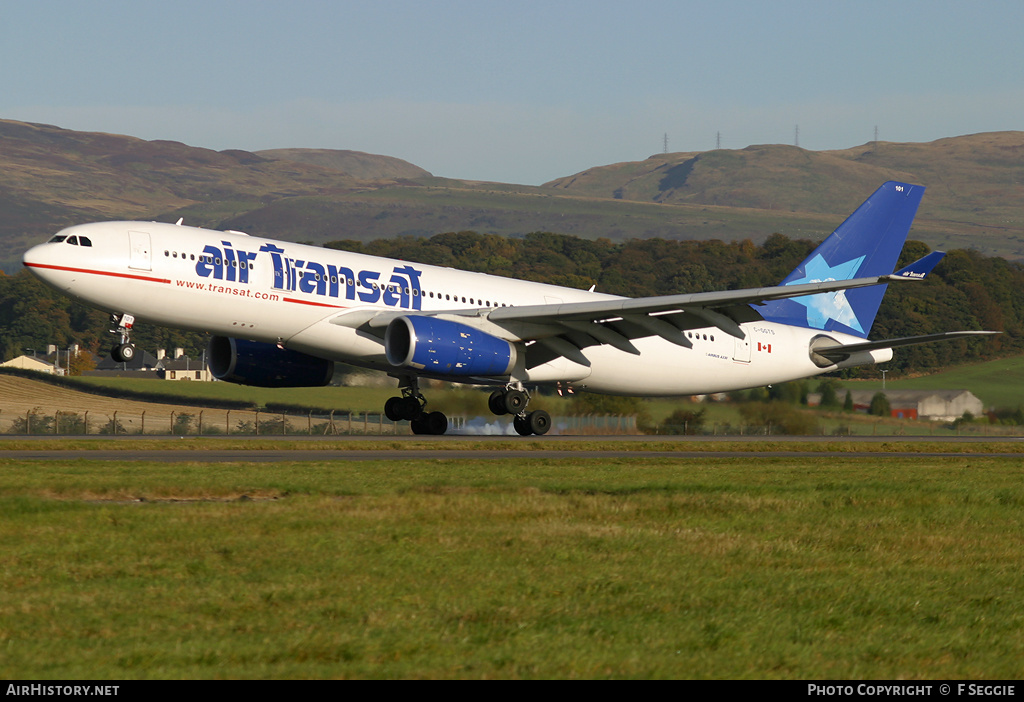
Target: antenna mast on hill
718	140
665	144
876	133
796	135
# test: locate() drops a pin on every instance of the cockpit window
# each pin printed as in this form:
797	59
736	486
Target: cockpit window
73	240
57	239
84	241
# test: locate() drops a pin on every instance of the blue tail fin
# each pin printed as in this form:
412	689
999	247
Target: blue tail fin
867	244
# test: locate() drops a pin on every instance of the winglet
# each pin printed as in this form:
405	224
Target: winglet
921	267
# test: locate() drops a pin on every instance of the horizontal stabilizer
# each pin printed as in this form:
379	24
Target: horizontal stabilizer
841	352
921	267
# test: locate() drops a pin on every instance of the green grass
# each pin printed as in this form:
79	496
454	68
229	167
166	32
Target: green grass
836	445
996	383
717	568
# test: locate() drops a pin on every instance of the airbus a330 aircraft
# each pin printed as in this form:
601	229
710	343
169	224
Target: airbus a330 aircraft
280	314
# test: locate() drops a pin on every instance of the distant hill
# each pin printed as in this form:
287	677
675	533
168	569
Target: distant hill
761	177
976	179
354	163
52	177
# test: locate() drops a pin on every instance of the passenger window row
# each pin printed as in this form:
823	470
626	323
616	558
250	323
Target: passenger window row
206	259
407	291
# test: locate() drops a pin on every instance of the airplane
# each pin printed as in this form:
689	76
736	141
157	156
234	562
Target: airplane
281	314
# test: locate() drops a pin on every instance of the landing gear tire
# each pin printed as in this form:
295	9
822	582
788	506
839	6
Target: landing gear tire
392	408
515	401
507	401
522	426
399	408
539	422
411	408
436	423
122	353
429	423
496	403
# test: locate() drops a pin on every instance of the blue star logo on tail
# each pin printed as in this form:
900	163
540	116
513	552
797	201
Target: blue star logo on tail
825	306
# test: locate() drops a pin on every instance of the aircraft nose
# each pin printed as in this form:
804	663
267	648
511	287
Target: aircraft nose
32	256
41	261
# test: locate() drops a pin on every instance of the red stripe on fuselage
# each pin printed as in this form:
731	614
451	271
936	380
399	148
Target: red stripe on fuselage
315	304
95	272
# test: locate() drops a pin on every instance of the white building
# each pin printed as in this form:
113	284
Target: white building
32	363
938	405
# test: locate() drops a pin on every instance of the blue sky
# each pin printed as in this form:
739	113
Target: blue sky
520	92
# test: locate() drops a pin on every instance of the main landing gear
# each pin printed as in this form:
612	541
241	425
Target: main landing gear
410	407
124	350
513	400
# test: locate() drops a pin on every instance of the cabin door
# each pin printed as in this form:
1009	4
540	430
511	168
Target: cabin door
141	256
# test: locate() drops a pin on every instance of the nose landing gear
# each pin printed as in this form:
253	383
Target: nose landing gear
124	350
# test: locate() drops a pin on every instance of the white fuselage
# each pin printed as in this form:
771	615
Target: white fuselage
231	284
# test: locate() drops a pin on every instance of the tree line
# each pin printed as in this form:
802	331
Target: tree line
966	291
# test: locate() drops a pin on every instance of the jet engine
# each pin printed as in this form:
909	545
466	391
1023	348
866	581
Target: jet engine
446	348
265	365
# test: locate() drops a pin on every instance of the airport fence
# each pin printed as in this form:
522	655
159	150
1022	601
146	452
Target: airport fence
220	422
234	422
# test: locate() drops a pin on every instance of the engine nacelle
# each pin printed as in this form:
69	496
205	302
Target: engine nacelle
446	348
265	365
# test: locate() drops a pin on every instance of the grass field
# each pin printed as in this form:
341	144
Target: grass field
997	383
711	568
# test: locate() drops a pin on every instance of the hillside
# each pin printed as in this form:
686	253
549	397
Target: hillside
354	163
52	177
975	183
960	172
761	177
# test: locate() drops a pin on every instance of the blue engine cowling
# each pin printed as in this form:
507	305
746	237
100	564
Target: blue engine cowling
265	365
446	348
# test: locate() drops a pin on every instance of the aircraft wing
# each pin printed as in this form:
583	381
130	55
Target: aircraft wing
709	306
564	329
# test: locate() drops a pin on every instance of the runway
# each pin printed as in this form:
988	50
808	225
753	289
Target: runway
494	448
